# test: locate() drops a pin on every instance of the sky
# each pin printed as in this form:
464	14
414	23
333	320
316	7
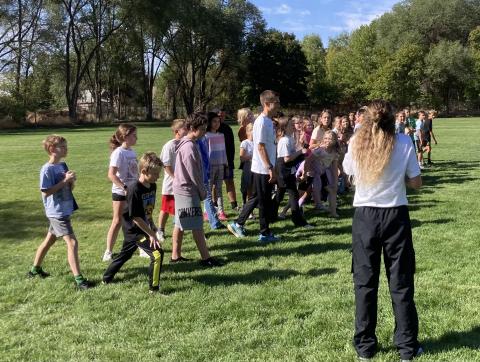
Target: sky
327	18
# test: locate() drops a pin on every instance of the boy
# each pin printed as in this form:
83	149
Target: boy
167	156
56	185
263	170
137	223
428	128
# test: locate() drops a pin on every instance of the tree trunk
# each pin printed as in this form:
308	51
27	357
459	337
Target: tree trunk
20	49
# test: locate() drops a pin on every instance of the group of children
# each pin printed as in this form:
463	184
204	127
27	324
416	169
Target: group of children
307	157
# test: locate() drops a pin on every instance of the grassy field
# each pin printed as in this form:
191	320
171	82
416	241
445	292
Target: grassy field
291	301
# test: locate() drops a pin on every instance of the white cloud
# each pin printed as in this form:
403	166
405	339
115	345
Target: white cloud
304	12
283	9
363	13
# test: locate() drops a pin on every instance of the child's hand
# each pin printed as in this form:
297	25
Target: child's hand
155	243
70	177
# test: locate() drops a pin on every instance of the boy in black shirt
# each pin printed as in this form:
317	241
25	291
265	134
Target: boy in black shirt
137	222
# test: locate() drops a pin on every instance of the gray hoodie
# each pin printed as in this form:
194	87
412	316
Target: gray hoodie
188	177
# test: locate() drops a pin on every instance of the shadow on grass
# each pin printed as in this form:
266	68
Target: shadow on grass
448	172
454	340
257	276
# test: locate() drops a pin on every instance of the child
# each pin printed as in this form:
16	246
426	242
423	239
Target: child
287	157
418	136
428	126
167	156
244	117
306	136
189	190
297	134
325	163
246	154
137	223
123	171
56	185
217	156
400	123
325	123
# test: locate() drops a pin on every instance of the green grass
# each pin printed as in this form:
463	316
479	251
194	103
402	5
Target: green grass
292	301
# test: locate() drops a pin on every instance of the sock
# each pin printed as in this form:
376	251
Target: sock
79	278
234	204
35	269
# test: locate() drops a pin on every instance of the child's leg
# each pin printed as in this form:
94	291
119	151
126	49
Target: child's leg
199	237
291	187
162	219
332	193
218	187
177	238
117	207
72	253
128	248
156	262
43	248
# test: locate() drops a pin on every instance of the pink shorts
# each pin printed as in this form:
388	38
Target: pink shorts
168	204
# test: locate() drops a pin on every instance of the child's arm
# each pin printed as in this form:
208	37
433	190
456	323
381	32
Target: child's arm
294	155
244	156
112	176
433	136
154	243
69	179
169	170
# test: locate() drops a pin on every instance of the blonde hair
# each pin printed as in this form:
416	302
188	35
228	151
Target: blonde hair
178	124
120	134
242	116
149	161
53	140
374	142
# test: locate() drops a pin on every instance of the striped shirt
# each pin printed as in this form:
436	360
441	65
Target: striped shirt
217	153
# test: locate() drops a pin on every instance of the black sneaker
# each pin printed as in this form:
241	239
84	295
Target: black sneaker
418	353
84	285
210	263
179	260
42	274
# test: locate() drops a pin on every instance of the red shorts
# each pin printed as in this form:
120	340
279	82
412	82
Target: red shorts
168	204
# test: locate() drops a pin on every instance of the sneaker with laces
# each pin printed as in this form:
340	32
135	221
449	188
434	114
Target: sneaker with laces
40	273
142	253
222	216
160	235
210	263
266	239
236	229
84	285
107	256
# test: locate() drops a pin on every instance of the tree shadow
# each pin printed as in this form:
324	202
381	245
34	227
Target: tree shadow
449	172
256	277
417	223
454	340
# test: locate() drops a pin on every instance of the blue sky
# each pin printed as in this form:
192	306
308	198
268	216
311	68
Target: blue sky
327	18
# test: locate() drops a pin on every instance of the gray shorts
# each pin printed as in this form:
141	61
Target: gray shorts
188	213
60	226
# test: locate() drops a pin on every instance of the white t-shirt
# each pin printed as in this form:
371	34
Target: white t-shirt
247	145
167	156
127	169
286	147
418	129
390	189
263	132
317	134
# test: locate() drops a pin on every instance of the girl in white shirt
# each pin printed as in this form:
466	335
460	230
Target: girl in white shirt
122	171
382	163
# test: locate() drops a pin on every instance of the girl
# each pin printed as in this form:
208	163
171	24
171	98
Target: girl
244	117
246	154
325	123
217	155
123	171
297	134
324	162
287	157
400	122
307	131
382	163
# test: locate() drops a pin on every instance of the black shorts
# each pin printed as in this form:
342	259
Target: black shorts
117	197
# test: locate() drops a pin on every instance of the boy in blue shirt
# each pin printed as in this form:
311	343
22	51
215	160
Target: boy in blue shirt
56	185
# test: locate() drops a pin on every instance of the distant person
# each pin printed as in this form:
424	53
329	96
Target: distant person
359	116
410	123
56	185
229	171
139	230
382	164
263	169
419	136
244	118
246	154
429	135
400	122
168	156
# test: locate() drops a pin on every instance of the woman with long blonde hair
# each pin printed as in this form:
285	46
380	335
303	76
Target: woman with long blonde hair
382	164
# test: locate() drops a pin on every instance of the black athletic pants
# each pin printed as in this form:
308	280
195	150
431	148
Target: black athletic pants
128	248
389	230
261	197
289	185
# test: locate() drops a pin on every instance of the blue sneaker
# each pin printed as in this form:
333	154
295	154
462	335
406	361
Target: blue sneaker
236	229
265	239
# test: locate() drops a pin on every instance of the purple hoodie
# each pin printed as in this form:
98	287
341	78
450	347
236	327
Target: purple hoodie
188	179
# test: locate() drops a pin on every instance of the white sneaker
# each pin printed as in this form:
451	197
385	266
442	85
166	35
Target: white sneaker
308	226
107	256
142	253
161	236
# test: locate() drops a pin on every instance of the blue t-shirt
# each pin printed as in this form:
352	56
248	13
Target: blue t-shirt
61	203
202	144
